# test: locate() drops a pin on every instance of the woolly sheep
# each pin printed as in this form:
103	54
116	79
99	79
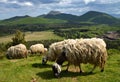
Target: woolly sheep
55	50
37	48
17	51
91	51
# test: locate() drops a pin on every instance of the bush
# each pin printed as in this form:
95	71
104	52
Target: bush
18	38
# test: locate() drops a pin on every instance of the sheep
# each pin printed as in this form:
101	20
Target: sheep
37	48
55	50
17	51
92	51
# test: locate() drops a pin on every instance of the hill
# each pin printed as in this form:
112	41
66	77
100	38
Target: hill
98	17
58	17
30	20
16	18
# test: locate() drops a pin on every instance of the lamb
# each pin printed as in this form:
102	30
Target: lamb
37	48
92	51
17	51
55	50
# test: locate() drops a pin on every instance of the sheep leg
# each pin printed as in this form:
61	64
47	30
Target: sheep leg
102	66
67	67
93	69
102	69
80	69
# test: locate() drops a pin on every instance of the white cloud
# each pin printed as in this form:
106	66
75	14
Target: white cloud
65	2
89	1
108	1
26	3
3	1
75	11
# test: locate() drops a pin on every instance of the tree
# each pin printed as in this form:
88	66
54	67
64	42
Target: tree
18	38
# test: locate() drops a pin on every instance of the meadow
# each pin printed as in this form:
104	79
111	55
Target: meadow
25	70
29	69
32	36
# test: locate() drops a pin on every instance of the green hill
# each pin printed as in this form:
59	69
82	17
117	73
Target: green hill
31	20
59	15
55	17
98	17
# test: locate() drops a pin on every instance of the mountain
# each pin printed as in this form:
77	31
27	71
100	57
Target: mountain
59	15
30	20
98	17
54	12
93	17
16	18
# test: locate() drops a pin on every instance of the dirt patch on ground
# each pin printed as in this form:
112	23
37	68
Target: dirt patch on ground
111	35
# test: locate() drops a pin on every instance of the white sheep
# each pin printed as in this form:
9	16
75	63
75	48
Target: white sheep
17	51
37	48
55	50
91	51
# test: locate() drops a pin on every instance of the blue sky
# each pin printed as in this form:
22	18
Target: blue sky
11	8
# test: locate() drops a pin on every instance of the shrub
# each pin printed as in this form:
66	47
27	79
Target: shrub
18	38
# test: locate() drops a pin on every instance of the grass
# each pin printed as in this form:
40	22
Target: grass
33	20
33	36
24	70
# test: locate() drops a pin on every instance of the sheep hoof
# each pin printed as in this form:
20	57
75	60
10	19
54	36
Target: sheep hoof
81	71
102	70
66	70
90	72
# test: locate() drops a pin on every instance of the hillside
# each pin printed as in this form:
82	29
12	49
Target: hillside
30	20
98	17
58	17
16	18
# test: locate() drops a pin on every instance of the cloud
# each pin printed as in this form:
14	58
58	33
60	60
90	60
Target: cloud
3	1
38	7
25	3
65	2
89	1
108	1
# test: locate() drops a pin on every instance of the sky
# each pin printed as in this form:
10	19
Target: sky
11	8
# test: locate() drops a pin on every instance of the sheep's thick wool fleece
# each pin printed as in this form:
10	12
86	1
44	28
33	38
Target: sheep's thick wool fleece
91	51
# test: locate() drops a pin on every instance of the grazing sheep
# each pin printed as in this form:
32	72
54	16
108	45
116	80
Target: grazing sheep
91	51
55	50
37	48
17	51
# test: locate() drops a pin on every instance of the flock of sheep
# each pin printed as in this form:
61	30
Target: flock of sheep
74	51
20	50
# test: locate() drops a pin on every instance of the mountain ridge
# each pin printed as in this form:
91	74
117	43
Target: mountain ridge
90	16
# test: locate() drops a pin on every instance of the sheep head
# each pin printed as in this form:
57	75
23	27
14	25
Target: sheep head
56	69
44	60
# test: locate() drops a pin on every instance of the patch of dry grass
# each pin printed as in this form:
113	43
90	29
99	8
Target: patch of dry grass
33	36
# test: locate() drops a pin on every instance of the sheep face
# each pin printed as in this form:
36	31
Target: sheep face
56	70
44	60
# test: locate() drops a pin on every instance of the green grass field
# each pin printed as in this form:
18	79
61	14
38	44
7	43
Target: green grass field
24	70
33	36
